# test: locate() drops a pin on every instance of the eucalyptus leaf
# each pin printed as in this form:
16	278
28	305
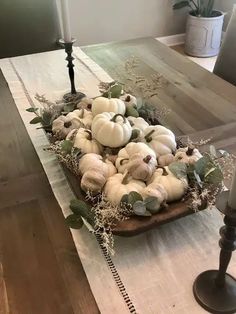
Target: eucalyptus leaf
36	120
74	221
179	169
152	204
114	91
215	176
180	5
32	109
223	153
66	146
198	179
202	164
69	107
139	209
131	111
124	199
79	207
134	197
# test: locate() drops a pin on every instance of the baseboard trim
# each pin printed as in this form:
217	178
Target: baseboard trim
177	39
172	40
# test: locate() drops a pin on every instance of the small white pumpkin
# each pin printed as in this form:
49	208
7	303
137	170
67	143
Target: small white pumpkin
119	185
62	126
160	139
138	124
110	129
175	187
129	100
96	161
128	151
82	115
85	103
92	181
187	155
103	104
141	168
83	140
155	190
165	160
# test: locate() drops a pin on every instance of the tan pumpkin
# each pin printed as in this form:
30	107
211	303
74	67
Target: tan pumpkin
175	187
62	126
96	161
83	140
119	185
83	116
128	151
187	155
141	168
102	104
165	160
92	181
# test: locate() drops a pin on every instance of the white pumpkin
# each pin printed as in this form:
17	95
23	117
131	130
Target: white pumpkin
129	100
95	161
175	187
83	140
103	104
82	115
187	155
138	124
128	151
157	190
160	139
110	129
119	185
62	126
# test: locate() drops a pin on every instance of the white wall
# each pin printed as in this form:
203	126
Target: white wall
96	21
225	6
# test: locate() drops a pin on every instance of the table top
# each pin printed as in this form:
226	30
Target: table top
202	105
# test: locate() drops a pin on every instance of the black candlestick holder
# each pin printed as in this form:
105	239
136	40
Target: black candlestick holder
73	95
215	290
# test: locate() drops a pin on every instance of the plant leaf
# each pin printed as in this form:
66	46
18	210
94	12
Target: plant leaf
134	197
115	91
139	209
131	111
152	204
179	169
124	199
202	164
36	120
180	5
214	176
74	221
79	207
66	146
32	109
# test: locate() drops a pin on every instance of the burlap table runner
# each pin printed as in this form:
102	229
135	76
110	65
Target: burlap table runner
150	273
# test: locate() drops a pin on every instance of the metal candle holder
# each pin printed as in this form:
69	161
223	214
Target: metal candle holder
215	290
72	96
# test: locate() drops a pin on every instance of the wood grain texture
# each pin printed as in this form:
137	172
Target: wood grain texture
40	271
198	99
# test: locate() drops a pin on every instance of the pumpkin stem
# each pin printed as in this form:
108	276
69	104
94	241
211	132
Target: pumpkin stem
82	113
190	150
165	173
147	159
128	98
118	115
122	161
67	124
148	137
125	177
89	133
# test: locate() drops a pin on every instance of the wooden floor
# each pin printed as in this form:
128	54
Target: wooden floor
40	271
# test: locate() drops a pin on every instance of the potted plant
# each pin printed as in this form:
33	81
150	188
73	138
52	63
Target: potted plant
204	27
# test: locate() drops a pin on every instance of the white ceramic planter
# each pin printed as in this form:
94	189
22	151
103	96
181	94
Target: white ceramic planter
203	35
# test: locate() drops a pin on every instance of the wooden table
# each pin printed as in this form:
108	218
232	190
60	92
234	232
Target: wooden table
40	271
